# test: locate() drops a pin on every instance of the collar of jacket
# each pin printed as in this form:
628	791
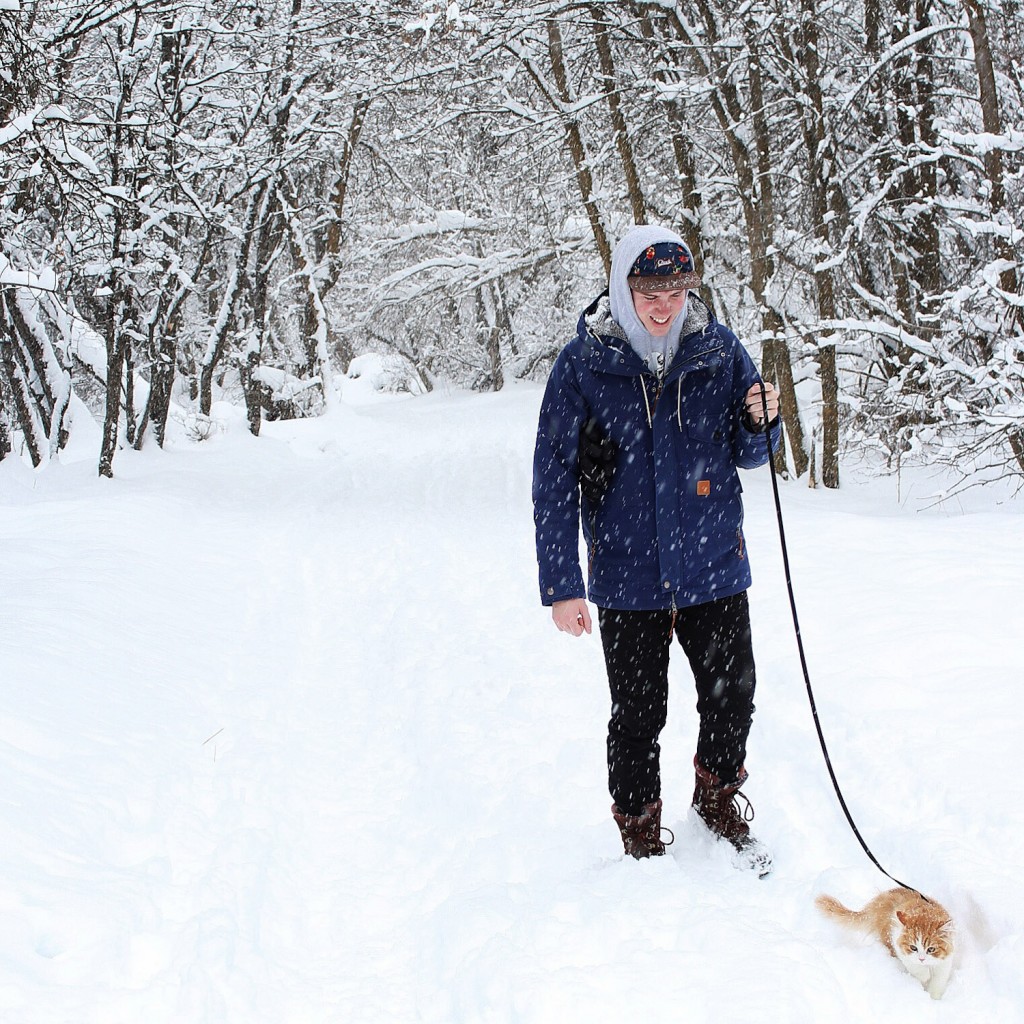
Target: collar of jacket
609	351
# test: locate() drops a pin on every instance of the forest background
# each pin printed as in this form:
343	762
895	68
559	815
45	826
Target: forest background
208	202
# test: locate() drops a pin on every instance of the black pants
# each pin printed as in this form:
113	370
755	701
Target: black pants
716	639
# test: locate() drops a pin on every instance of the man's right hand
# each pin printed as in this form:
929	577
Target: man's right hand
572	616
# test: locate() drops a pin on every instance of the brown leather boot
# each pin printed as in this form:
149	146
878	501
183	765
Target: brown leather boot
641	834
719	806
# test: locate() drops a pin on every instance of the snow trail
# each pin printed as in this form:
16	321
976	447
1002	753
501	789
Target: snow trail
288	737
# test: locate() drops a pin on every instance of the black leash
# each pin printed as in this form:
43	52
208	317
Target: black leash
803	659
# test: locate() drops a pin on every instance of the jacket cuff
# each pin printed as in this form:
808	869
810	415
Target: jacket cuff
551	594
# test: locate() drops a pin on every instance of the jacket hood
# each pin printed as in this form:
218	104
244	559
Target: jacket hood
650	348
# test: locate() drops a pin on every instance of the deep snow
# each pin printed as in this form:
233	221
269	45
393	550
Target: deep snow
286	736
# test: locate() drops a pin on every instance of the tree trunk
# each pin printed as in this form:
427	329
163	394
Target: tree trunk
129	392
992	122
497	377
690	197
879	129
821	165
610	86
19	389
919	273
574	142
22	335
1016	438
5	434
829	416
161	384
333	237
226	315
116	342
924	238
50	392
761	233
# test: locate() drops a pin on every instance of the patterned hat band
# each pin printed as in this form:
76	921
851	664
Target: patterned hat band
664	283
665	266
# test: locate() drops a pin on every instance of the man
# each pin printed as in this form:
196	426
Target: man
652	408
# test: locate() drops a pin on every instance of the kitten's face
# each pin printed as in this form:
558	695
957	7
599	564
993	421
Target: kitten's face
923	939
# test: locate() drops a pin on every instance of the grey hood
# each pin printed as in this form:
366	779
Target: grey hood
657	353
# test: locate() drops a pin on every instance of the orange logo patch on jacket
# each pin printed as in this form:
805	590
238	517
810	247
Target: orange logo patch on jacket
703	488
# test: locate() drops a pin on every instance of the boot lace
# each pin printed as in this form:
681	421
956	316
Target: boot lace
650	834
744	811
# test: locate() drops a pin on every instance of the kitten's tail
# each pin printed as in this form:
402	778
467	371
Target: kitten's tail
833	908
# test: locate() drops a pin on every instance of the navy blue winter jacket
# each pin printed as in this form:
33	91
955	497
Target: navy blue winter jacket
670	527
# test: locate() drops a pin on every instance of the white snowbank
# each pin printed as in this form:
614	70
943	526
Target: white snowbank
286	737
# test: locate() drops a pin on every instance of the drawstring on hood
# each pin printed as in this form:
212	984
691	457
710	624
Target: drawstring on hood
657	353
694	318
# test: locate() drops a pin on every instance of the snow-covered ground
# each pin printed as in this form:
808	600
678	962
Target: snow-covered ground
285	736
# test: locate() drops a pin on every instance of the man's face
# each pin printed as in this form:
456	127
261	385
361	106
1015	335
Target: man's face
657	310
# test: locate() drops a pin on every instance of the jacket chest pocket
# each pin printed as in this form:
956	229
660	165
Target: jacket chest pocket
707	431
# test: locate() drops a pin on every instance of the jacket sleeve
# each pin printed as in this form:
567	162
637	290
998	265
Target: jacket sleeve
556	493
750	448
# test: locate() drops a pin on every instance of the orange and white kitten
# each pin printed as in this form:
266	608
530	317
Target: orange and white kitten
918	932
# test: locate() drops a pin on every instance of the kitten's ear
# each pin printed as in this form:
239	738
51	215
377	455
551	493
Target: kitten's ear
901	917
947	925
